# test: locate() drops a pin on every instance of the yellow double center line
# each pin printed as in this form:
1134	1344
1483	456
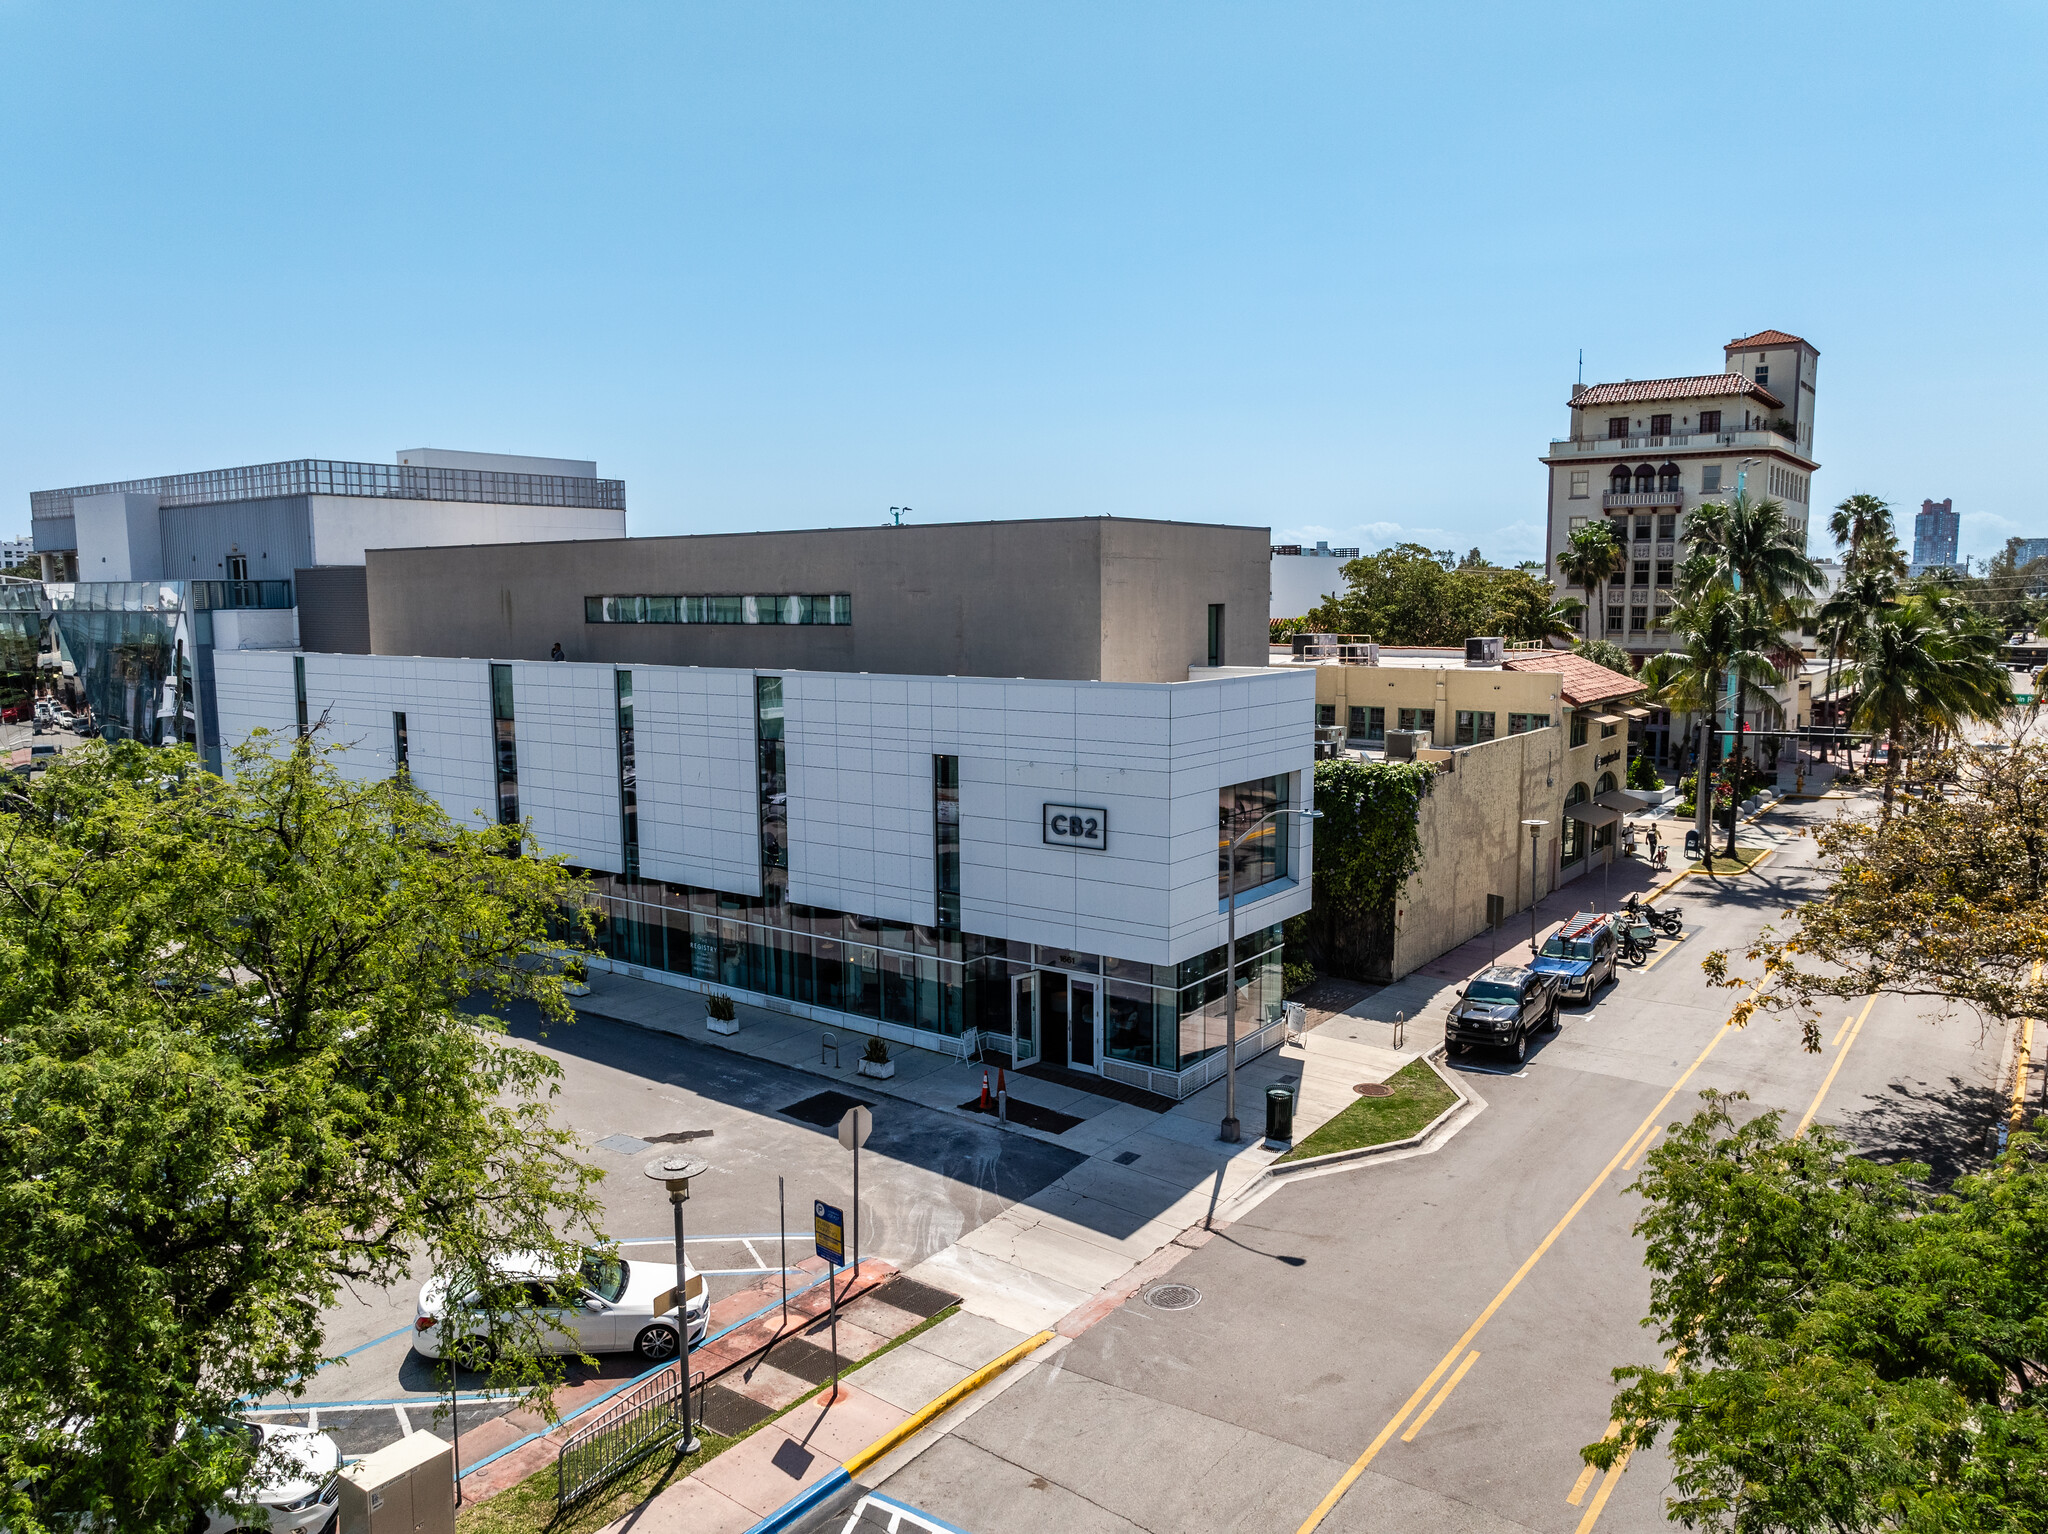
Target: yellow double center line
1358	1466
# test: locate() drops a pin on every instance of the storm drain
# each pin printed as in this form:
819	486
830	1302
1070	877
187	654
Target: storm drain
1373	1089
1173	1297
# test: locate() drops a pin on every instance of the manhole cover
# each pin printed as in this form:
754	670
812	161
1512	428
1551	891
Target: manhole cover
1174	1297
1373	1089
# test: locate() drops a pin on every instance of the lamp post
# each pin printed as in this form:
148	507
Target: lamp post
1535	830
1230	1125
674	1172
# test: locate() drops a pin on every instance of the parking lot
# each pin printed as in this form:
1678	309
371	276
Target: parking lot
926	1179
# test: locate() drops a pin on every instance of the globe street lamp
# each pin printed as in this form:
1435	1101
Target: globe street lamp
1230	1125
674	1172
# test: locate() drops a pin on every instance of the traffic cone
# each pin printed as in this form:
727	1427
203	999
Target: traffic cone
984	1091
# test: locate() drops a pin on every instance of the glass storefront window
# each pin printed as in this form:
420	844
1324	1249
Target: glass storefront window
1261	857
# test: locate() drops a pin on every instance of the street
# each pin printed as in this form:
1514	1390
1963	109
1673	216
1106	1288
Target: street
1424	1343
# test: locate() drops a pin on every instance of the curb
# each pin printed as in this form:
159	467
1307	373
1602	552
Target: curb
1280	1170
944	1402
815	1495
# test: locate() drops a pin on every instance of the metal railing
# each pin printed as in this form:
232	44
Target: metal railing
324	476
1621	499
1640	441
647	1418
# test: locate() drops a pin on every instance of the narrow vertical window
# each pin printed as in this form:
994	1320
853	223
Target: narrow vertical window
299	689
1215	633
774	788
946	836
629	795
399	756
507	746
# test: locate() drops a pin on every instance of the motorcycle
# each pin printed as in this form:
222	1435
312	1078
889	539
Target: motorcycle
1666	921
1632	951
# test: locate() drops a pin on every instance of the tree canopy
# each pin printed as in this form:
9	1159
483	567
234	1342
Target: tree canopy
235	1076
1845	1348
1410	595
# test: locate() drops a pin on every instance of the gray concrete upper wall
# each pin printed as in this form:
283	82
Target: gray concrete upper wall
1073	599
275	534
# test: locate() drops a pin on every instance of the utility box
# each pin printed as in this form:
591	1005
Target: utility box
1404	745
404	1488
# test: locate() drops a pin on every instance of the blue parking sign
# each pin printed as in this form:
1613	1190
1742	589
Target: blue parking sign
830	1225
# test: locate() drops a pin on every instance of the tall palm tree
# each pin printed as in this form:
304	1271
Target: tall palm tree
1867	588
1921	666
1560	620
1862	529
1750	543
1590	559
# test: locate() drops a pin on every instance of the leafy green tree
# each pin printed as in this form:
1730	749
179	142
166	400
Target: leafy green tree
1410	595
1367	847
1845	1349
1920	666
1590	559
236	1075
1945	899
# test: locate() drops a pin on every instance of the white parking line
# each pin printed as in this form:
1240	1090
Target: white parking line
755	1255
404	1422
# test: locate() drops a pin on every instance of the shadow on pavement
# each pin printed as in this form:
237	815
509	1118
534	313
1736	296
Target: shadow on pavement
1952	1127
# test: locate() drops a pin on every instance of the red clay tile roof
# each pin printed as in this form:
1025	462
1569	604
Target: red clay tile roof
1768	338
1580	680
1650	390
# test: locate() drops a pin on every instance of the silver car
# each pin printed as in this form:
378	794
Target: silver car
608	1305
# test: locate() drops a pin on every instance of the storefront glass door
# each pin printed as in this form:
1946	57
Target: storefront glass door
1084	1019
1023	1021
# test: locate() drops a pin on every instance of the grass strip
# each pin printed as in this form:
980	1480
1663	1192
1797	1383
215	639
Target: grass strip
529	1507
1743	855
1419	1095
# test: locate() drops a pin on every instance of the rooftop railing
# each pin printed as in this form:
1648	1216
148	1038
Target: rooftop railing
321	476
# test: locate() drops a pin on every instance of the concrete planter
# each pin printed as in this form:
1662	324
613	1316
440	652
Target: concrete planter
881	1070
722	1024
575	988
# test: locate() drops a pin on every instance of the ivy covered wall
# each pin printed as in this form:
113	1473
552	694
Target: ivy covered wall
1367	846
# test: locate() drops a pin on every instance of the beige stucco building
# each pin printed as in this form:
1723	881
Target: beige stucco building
1542	735
1643	453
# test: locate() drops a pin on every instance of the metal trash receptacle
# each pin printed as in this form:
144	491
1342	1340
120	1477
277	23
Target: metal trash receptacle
1280	1114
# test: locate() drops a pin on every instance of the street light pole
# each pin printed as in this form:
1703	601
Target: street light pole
1231	1130
675	1172
1535	829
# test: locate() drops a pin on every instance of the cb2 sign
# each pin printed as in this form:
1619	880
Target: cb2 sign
1076	825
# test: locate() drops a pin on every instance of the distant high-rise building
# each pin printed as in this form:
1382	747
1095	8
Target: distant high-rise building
2028	550
1934	537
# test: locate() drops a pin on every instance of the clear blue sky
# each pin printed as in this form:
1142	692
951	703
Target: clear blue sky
1322	267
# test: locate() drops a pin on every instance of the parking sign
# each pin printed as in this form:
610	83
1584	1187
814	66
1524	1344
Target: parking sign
830	1225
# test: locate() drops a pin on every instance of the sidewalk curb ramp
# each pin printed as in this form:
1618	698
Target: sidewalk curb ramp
816	1495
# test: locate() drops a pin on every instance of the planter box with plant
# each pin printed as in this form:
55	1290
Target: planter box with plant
719	1015
874	1060
575	978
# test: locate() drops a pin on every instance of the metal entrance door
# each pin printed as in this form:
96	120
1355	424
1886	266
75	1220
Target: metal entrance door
1023	1021
1084	1024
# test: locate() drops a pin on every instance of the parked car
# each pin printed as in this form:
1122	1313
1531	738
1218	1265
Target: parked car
1580	954
1501	1007
296	1484
605	1306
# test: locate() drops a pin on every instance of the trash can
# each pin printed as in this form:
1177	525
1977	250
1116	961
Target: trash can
1280	1115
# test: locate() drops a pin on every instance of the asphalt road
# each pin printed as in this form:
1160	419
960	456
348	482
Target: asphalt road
1334	1313
926	1179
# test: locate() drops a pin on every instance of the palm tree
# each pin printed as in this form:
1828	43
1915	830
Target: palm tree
1866	590
1750	543
1862	529
1560	620
1590	559
1921	666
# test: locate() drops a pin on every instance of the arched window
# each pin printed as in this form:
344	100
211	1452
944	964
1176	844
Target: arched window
1667	476
1574	830
1646	479
1618	480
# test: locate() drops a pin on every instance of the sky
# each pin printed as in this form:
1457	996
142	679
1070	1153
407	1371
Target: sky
1326	268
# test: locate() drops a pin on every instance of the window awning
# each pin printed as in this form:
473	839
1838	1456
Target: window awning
1637	713
1624	799
1608	719
1592	814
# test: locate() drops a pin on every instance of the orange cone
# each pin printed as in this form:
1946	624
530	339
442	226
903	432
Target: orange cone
984	1091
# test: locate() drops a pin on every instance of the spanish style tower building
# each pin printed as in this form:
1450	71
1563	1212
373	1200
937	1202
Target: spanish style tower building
1643	452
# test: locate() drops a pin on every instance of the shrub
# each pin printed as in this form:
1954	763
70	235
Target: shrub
1294	974
576	972
877	1052
1641	775
719	1006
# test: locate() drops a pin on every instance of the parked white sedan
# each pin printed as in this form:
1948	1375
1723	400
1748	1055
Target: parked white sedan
296	1488
605	1306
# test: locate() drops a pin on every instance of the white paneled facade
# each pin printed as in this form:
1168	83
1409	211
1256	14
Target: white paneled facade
859	756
